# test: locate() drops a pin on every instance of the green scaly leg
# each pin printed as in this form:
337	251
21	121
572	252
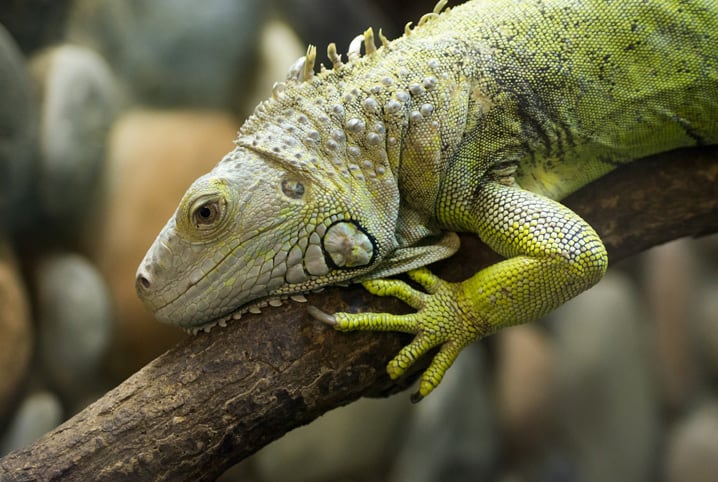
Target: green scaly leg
552	254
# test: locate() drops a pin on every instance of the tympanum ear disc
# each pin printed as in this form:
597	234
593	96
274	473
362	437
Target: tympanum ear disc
348	245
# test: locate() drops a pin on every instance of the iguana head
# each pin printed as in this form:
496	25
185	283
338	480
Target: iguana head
285	212
309	197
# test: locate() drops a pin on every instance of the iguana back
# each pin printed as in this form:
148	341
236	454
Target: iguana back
590	84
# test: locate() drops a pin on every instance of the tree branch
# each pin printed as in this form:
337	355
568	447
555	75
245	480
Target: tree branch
216	398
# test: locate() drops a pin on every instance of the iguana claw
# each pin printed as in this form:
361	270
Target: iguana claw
322	316
439	320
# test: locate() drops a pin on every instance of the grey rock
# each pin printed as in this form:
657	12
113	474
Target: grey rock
38	414
75	323
607	398
692	453
174	52
35	23
79	101
707	324
278	47
525	385
452	433
18	135
672	283
348	441
316	21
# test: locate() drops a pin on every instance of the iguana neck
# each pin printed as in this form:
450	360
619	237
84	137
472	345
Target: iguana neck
375	131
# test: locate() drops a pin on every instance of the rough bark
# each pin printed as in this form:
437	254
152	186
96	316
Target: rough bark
218	397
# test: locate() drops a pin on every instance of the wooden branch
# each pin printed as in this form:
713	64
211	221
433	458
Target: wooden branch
216	398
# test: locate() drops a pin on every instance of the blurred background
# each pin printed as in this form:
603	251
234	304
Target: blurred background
109	110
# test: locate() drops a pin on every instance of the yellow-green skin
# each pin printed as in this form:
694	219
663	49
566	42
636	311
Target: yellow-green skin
478	120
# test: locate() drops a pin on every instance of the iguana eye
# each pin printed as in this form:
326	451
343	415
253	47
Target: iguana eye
207	213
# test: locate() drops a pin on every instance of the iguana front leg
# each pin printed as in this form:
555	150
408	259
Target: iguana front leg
553	255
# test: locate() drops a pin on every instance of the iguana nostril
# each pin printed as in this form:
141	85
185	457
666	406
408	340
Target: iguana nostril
143	282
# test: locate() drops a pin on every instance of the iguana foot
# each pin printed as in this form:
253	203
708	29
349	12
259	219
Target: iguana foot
444	317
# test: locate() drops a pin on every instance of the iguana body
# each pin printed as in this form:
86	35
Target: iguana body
477	120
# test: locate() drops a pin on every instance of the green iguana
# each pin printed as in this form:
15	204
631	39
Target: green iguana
477	120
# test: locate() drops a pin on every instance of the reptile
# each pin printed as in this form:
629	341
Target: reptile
479	119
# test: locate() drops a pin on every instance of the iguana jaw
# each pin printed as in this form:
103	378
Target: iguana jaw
254	307
208	297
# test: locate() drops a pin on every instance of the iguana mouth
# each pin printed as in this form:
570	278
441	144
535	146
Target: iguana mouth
253	307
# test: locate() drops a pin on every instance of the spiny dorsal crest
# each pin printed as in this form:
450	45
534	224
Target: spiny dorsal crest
303	68
327	116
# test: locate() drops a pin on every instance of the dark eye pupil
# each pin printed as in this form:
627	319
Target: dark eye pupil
207	213
204	212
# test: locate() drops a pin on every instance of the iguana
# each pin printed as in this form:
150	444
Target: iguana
477	120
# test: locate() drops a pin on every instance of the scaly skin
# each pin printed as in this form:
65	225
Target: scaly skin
478	120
